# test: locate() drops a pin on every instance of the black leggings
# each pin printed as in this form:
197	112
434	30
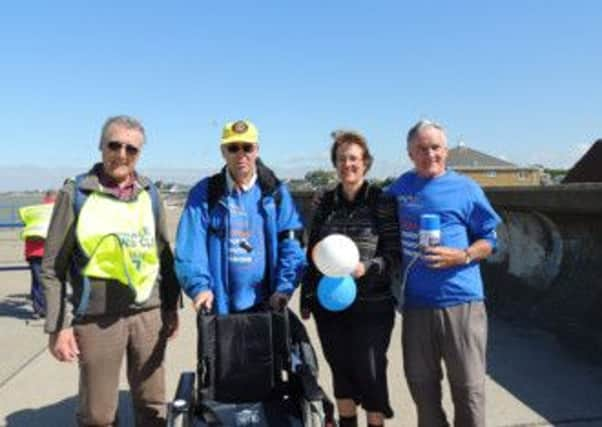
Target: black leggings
355	343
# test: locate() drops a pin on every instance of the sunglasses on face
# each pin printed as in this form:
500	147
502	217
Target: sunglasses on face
129	149
235	148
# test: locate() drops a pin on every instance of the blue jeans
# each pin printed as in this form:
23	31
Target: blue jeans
37	292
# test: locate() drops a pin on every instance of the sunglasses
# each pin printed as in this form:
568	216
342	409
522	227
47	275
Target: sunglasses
235	148
129	149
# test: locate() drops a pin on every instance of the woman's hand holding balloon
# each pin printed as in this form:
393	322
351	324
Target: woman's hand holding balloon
359	270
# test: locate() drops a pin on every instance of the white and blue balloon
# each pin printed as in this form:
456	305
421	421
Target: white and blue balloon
336	256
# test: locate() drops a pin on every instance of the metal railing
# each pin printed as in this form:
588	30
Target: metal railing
9	218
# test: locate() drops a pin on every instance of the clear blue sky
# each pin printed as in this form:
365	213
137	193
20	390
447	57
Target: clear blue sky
520	79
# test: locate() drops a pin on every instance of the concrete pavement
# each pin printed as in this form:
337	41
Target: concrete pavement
532	380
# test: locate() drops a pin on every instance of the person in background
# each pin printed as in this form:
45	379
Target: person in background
444	317
355	340
36	219
238	242
108	240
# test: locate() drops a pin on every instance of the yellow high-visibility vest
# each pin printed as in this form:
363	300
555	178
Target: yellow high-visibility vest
119	240
36	219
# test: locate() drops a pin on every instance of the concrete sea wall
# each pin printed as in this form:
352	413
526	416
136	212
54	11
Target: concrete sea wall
548	266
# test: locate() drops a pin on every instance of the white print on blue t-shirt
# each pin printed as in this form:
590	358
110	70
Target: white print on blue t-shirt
409	243
246	249
466	215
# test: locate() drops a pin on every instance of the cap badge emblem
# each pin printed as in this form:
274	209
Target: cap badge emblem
240	127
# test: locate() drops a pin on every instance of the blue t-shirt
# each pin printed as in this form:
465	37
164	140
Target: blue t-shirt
466	216
246	249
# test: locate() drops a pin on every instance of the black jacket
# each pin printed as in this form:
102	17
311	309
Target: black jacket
370	220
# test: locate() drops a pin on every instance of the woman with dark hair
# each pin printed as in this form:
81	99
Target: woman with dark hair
355	340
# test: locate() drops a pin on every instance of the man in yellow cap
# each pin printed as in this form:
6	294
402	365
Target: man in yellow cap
238	242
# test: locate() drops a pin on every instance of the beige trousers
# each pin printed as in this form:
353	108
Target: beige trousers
457	336
104	341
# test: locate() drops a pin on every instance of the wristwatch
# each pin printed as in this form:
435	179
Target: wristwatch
468	258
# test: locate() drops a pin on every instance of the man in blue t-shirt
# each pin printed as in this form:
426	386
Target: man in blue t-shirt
444	315
238	242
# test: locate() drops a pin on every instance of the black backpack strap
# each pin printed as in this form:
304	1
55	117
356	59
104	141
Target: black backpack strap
215	189
277	195
374	194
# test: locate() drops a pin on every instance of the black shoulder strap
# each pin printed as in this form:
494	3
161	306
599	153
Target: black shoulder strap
329	196
215	189
374	194
277	198
325	205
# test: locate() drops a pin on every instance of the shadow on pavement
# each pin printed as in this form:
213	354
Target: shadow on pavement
63	414
547	377
17	306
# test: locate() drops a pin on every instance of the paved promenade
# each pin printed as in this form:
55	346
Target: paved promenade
532	380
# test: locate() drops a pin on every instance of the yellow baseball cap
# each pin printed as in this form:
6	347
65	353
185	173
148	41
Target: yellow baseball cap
240	131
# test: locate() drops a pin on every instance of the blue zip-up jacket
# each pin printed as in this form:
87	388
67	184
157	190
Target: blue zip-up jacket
201	256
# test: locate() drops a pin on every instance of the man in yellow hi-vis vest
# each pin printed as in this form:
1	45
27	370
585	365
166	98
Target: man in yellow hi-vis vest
36	219
108	240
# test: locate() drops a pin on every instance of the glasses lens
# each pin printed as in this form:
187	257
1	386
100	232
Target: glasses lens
235	148
131	150
116	146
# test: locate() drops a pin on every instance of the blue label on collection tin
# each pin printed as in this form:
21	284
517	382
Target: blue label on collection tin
430	230
430	222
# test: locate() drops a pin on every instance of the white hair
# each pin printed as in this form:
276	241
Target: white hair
418	127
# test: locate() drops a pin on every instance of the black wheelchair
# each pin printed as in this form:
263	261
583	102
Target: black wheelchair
254	369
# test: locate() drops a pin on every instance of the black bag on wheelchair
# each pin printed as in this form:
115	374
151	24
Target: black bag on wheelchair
254	369
240	356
